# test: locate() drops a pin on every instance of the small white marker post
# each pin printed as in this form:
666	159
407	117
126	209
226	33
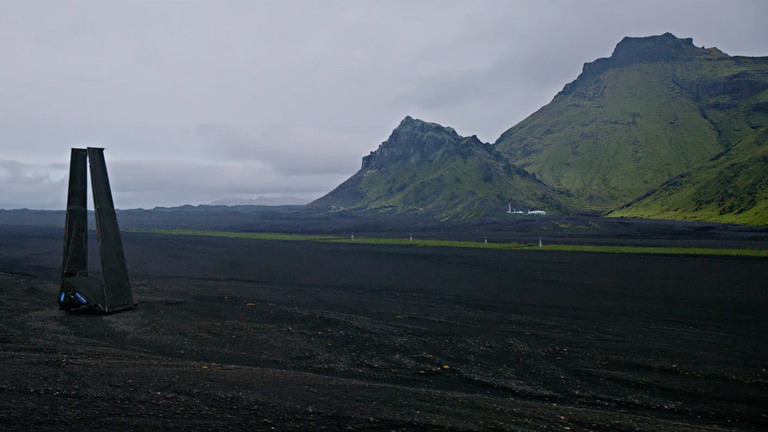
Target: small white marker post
411	237
485	240
353	236
540	245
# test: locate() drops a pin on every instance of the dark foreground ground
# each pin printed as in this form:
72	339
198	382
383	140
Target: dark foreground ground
233	334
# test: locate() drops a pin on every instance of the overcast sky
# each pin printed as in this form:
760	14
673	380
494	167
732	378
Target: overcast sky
199	101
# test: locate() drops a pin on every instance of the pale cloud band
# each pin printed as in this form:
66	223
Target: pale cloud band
197	101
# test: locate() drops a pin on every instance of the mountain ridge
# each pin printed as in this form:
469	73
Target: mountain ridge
426	168
658	125
657	108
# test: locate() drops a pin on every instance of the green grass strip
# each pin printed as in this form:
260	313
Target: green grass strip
244	235
466	244
657	250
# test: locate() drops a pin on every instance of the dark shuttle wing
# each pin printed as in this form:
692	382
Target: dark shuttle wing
117	289
75	228
78	290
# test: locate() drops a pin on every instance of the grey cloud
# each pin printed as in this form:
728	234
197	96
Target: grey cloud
293	150
32	185
169	182
258	97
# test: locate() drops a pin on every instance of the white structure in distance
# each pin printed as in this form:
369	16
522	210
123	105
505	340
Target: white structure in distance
530	212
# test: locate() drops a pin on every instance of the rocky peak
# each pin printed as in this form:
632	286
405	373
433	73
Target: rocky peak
652	49
417	139
633	50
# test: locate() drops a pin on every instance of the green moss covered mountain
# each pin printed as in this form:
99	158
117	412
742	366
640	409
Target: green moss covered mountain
661	129
657	108
732	187
429	169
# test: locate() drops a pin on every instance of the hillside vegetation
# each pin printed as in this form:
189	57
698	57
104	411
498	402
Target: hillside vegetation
730	188
661	129
429	169
658	108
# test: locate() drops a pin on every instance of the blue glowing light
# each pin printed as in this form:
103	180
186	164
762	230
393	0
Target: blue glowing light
79	297
61	298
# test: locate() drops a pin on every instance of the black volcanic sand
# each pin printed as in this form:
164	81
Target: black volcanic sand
233	334
503	227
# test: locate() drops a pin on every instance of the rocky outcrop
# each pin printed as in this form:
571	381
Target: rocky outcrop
415	140
430	169
633	50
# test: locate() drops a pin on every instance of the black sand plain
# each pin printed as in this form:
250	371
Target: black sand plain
238	334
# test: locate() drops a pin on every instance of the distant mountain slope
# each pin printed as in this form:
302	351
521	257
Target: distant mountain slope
657	108
260	200
427	168
660	129
732	187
